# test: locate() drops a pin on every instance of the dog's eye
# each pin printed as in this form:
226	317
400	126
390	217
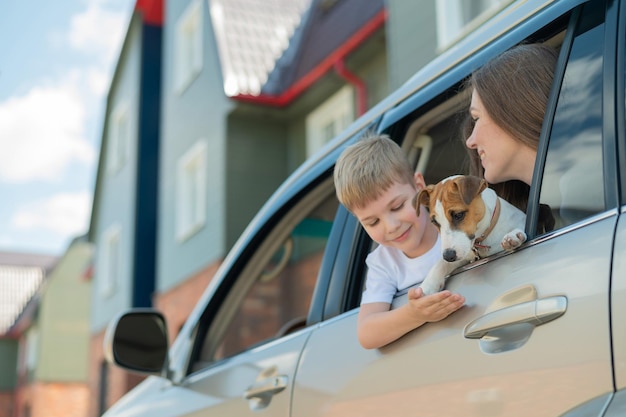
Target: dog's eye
435	222
458	216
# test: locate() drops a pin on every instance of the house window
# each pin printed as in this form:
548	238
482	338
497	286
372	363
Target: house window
329	119
191	191
188	46
456	18
119	138
110	263
32	347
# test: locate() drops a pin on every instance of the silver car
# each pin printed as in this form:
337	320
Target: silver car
544	329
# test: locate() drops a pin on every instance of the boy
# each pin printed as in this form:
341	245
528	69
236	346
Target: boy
375	181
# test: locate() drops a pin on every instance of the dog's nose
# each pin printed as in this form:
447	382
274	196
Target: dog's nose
449	255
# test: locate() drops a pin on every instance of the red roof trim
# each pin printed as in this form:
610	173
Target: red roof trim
152	11
322	68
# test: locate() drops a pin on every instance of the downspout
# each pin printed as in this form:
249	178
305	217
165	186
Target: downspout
359	85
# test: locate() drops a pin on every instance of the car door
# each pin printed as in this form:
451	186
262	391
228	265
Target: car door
534	338
246	341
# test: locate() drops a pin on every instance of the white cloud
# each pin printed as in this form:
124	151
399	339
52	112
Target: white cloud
66	214
43	132
98	31
46	129
98	81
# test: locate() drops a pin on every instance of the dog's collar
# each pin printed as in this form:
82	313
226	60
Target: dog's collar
494	219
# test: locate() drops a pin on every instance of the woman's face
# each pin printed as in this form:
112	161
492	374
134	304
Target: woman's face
502	156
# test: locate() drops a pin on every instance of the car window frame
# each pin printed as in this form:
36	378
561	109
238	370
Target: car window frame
609	145
242	256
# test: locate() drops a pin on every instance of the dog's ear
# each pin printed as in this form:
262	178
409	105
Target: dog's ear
469	187
422	199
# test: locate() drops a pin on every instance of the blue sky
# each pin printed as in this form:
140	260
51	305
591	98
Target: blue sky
56	62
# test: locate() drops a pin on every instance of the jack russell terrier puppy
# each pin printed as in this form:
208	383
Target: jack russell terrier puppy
473	223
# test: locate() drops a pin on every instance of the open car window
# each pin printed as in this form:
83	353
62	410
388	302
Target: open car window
431	129
271	295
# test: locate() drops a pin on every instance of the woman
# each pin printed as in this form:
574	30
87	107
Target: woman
508	104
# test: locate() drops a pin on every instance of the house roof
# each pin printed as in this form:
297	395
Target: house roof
21	276
251	36
271	52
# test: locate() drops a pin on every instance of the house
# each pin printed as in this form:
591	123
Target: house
123	222
22	276
53	371
248	91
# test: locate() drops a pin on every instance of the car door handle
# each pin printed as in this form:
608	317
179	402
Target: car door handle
535	313
265	388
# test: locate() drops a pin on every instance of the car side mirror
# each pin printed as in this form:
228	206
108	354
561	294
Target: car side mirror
137	341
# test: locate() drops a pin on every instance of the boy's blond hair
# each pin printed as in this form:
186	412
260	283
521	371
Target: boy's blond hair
366	169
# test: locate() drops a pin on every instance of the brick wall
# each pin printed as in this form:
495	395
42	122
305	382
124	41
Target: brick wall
117	381
176	304
54	399
6	403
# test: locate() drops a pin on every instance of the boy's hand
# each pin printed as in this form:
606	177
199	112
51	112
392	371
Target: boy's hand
434	307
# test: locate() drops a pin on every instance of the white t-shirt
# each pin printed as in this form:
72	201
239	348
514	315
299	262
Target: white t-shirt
390	270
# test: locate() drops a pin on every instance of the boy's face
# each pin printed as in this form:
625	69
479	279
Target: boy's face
391	220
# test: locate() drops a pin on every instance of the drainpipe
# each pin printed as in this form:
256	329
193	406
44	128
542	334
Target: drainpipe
359	85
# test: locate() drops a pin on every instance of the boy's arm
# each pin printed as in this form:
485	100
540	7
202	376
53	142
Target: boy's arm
379	326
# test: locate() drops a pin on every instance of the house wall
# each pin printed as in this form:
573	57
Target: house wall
199	112
376	76
63	320
116	199
8	376
8	364
256	165
411	38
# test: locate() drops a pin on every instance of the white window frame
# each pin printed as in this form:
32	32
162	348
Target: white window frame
191	190
336	113
188	46
119	138
110	261
451	26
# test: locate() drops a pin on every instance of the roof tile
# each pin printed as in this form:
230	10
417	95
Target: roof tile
18	284
251	36
21	276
